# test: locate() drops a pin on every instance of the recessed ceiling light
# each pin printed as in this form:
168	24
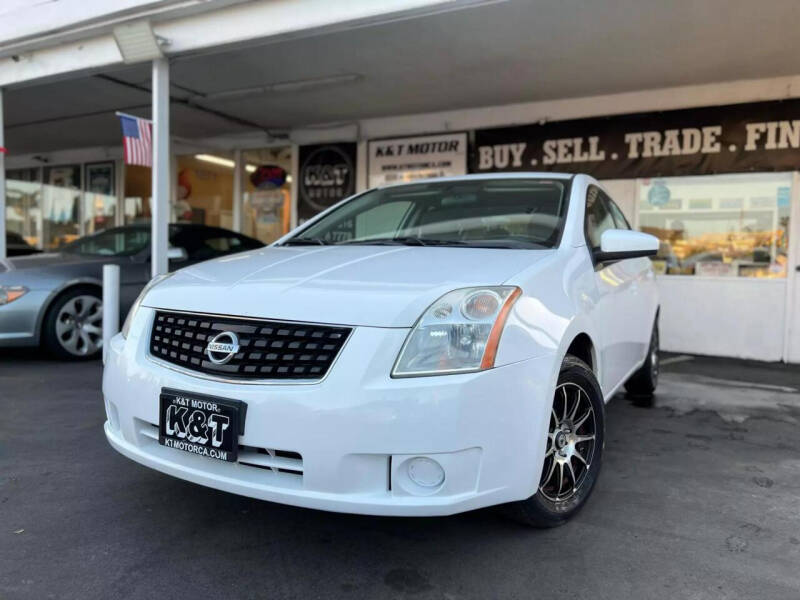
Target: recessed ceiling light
217	160
223	162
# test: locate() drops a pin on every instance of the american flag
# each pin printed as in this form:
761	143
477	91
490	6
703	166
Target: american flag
137	139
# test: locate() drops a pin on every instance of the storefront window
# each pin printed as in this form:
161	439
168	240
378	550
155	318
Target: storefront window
61	196
99	198
137	195
23	205
267	193
205	190
720	225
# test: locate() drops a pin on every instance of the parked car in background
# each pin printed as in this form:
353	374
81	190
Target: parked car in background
420	349
55	299
17	246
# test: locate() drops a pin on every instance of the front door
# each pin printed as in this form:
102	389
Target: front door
616	295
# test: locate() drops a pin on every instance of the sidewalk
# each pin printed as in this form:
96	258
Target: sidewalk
752	371
734	389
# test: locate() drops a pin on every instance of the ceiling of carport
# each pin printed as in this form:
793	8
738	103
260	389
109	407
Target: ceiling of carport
491	54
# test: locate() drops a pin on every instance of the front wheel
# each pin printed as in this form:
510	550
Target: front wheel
574	449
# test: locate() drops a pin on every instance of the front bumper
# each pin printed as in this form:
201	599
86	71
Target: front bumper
355	432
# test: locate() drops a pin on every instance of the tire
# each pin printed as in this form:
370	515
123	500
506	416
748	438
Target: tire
578	400
73	326
644	381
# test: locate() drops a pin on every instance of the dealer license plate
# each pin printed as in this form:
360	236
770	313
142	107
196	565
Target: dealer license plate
201	424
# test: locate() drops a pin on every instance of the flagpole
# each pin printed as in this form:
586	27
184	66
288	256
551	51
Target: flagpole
2	185
160	172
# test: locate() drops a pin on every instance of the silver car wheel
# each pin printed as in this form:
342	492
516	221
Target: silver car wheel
79	328
570	443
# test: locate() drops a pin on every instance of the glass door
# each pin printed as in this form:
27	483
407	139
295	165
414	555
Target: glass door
23	205
61	198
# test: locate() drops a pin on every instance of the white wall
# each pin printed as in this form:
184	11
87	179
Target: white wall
737	317
792	344
710	94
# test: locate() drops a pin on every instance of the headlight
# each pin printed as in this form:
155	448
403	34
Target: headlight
457	333
9	293
126	326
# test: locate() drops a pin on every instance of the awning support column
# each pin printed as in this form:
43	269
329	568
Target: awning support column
161	168
2	184
238	199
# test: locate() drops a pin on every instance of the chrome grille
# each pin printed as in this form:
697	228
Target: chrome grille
267	349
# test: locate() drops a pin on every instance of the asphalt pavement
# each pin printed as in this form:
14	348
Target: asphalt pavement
699	498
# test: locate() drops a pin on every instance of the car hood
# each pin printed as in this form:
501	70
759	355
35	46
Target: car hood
378	286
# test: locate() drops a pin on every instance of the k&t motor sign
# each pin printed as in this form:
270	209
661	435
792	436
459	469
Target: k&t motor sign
327	175
407	159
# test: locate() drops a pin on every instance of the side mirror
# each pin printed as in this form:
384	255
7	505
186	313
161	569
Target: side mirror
177	254
619	244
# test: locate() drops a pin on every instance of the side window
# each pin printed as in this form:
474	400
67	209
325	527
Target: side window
598	216
204	245
246	243
382	220
222	244
616	212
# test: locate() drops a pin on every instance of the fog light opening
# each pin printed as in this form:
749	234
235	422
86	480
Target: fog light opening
425	472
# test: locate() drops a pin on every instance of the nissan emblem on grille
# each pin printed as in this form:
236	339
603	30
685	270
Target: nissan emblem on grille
222	347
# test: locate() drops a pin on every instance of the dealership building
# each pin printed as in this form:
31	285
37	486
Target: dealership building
266	112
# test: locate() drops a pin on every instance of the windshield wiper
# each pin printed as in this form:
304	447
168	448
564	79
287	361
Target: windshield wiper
386	241
301	241
421	241
406	241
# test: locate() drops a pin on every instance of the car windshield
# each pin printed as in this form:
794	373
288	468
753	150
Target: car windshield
488	213
124	241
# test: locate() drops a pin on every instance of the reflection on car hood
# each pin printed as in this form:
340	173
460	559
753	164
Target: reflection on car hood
380	286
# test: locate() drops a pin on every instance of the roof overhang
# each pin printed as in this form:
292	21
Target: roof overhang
191	27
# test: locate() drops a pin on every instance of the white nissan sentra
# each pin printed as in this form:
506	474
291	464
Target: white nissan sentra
418	349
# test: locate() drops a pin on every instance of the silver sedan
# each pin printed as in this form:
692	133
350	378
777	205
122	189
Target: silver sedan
55	299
